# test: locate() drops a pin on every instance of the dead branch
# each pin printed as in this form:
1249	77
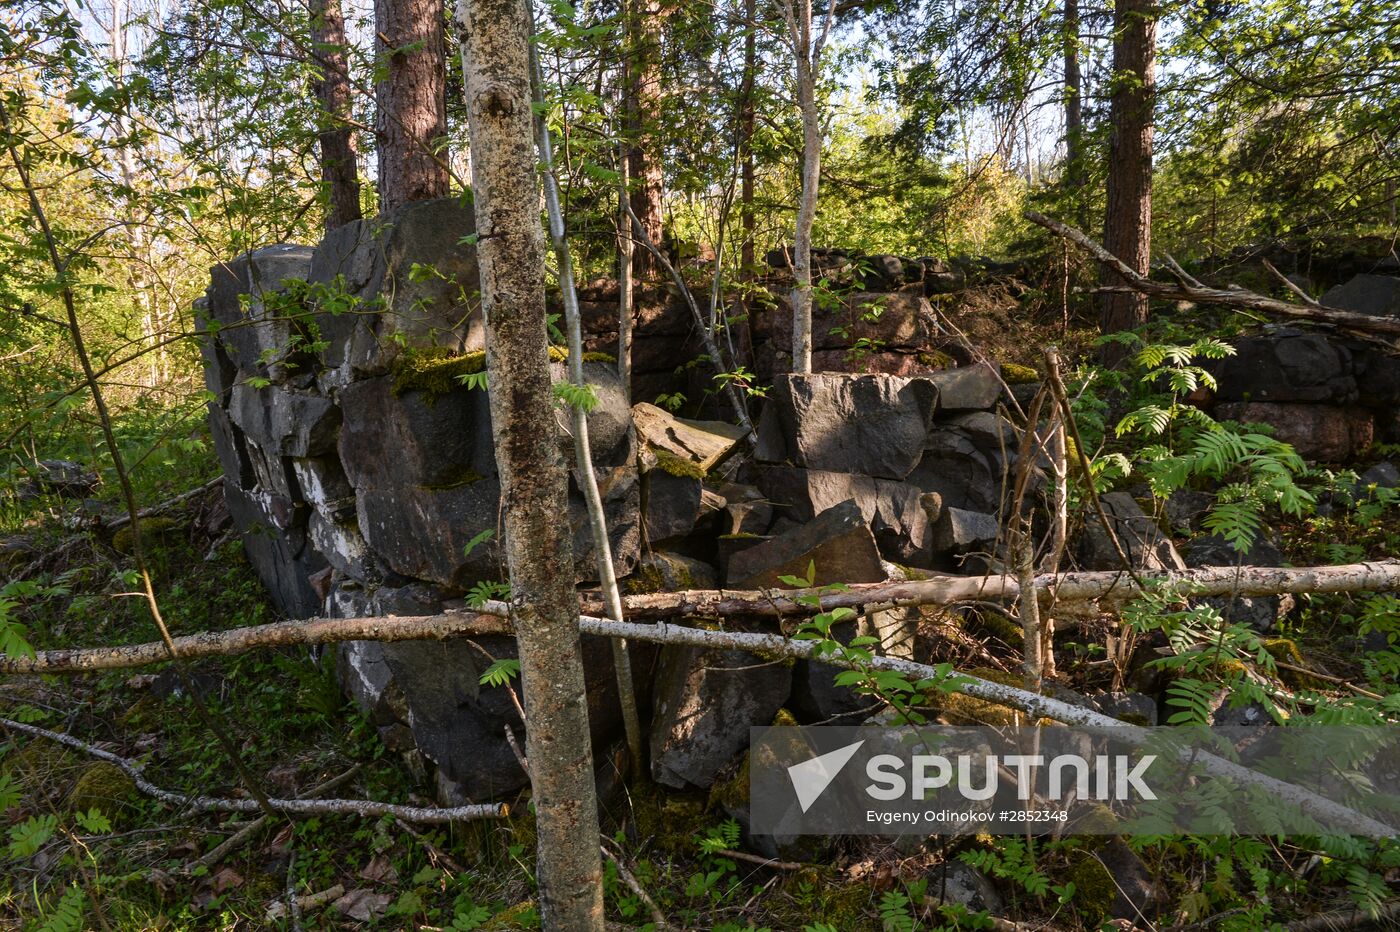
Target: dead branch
367	808
1232	297
1106	588
250	831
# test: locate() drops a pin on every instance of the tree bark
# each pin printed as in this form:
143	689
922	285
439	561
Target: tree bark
339	168
747	119
1074	98
411	100
1128	221
807	54
643	112
543	606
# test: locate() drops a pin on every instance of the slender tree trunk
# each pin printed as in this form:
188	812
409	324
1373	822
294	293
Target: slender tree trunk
1128	223
746	128
583	451
624	278
544	606
643	113
412	101
1074	99
340	171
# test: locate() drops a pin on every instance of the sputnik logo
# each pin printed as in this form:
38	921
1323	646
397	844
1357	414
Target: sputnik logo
811	778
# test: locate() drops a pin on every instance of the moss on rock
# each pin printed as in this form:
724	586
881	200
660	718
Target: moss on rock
155	532
668	462
1094	890
102	786
1285	650
1016	374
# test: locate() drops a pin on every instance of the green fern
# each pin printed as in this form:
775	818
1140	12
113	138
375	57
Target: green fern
67	914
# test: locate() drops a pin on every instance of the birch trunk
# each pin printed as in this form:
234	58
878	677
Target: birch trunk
583	450
806	206
807	53
544	606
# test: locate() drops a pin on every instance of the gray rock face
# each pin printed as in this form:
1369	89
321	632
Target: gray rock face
706	701
672	505
1377	295
963	474
282	561
969	388
1325	433
1143	542
890	508
960	533
1258	612
1286	366
284	422
838	541
256	337
411	273
874	425
395	441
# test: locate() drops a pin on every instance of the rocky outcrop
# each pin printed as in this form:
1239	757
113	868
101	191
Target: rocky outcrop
362	473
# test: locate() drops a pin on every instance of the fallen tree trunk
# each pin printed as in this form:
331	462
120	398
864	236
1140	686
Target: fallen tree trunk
1111	587
1035	706
1188	289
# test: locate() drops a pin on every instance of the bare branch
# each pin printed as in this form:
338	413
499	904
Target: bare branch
367	808
1231	297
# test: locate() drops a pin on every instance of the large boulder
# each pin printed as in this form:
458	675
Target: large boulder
837	541
402	280
874	425
706	702
704	444
1377	295
892	510
1286	365
1321	433
242	309
968	388
1143	542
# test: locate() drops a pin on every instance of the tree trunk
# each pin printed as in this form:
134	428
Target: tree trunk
339	169
412	101
800	24
643	112
544	606
1074	98
746	128
1128	223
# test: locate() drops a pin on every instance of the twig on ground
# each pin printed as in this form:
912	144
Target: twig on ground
760	860
250	831
367	808
658	918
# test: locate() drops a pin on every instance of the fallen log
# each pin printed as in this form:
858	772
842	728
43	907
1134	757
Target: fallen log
1188	289
1036	707
1104	588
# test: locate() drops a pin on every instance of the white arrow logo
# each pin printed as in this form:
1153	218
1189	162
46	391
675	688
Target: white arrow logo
811	778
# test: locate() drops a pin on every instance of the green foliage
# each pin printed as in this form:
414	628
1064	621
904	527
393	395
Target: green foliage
501	672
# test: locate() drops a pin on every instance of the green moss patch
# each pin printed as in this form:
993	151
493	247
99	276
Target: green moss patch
669	462
155	532
1017	374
